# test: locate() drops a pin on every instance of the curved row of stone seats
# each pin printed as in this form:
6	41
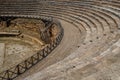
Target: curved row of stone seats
84	13
112	19
80	15
92	7
106	17
67	15
73	14
107	8
97	13
15	7
64	14
88	21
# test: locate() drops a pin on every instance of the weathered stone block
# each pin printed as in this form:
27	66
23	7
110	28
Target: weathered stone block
2	52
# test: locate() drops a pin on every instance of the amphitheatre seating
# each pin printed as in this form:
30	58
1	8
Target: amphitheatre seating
97	22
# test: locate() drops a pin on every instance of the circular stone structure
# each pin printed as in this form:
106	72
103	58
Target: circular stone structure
90	48
24	42
17	41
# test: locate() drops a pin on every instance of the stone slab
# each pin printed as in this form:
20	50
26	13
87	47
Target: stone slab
2	51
